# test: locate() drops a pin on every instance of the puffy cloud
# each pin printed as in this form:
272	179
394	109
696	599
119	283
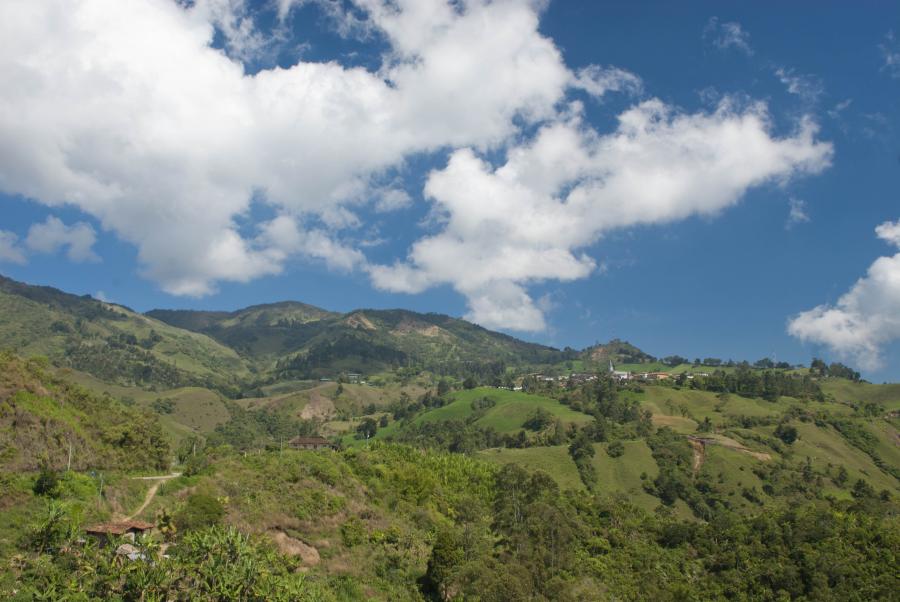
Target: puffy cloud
728	34
865	318
10	251
123	109
797	213
527	219
53	234
233	19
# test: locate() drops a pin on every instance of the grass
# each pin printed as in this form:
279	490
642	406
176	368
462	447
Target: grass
555	461
620	475
197	410
887	395
510	411
683	409
623	474
825	446
888	446
667	403
732	470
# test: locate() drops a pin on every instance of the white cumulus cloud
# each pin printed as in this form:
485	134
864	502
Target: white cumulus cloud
864	319
10	251
125	110
528	219
52	235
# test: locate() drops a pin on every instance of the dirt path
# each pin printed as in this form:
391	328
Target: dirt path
319	406
699	454
724	442
151	493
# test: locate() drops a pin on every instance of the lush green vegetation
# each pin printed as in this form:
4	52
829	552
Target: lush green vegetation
110	341
395	523
46	421
468	465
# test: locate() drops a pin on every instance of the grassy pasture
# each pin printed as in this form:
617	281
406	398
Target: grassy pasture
846	391
510	411
620	475
824	445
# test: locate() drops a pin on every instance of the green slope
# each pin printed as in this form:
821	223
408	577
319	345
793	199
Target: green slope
44	420
110	341
511	409
311	342
886	395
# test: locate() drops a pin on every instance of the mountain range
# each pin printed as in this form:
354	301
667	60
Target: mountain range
219	349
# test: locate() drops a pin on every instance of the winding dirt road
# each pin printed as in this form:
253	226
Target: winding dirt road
151	493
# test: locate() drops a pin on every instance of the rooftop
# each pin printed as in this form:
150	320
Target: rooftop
119	528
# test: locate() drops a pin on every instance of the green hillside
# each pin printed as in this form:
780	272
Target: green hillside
304	341
262	332
397	523
110	341
444	482
887	396
508	412
624	475
44	420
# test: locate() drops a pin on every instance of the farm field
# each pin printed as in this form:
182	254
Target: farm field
615	476
512	409
887	395
827	449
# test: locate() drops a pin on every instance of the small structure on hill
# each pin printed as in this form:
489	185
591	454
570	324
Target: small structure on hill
103	532
310	443
618	374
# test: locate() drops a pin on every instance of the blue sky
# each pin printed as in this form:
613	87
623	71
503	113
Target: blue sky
249	152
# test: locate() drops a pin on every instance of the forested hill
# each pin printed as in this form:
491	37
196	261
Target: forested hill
307	340
45	420
234	351
110	341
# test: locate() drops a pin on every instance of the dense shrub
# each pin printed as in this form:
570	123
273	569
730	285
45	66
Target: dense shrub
201	510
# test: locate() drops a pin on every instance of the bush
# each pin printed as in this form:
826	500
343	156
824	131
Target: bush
164	406
538	420
367	428
786	433
353	532
201	510
615	449
47	483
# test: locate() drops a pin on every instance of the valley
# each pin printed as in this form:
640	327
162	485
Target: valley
441	433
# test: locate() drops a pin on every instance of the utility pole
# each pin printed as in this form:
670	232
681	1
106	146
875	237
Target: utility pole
69	462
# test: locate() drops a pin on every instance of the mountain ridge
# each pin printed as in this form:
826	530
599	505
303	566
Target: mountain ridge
232	350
